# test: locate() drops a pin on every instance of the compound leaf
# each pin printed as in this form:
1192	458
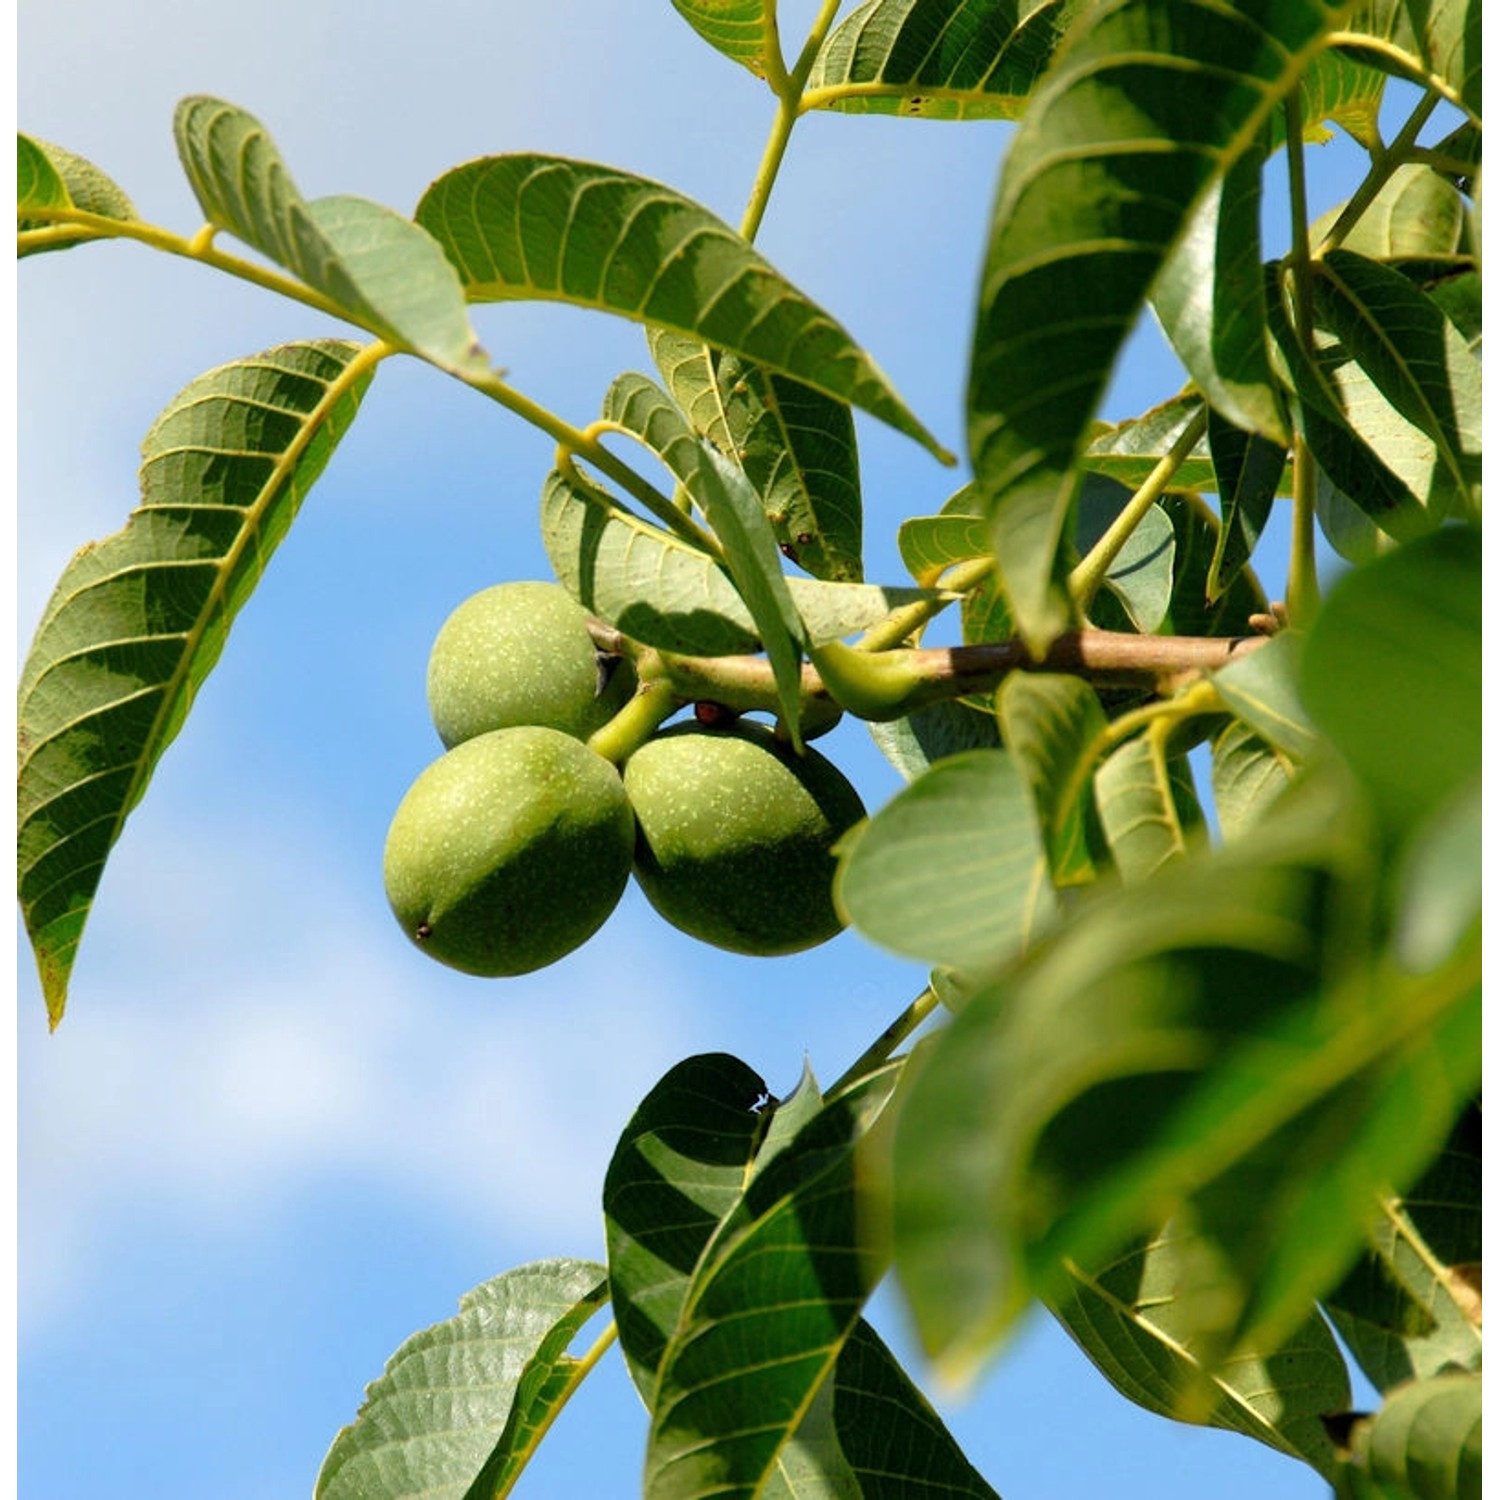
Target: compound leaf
448	1395
138	620
544	227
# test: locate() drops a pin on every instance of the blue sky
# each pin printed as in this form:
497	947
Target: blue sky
270	1140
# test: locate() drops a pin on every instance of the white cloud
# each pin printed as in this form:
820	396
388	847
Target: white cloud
218	1083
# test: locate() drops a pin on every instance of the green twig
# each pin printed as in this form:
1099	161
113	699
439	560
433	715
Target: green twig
1085	580
1383	163
901	623
1302	570
636	722
878	1053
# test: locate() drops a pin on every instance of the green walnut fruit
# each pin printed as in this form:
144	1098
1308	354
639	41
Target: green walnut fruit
734	836
509	851
521	653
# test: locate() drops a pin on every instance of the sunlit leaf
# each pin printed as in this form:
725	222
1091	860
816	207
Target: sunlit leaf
1146	107
1440	881
733	510
1434	44
429	1423
1391	671
1211	300
1206	1043
1148	807
1417	213
543	227
1140	574
1248	775
953	869
772	1301
1423	1444
1128	451
1416	359
50	177
1411	1307
1053	726
796	446
680	1166
385	272
744	30
663	592
937	59
1135	1318
1339	90
138	620
1261	687
932	544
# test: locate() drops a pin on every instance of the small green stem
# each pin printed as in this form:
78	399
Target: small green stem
901	623
1201	698
636	722
1302	570
585	445
581	1370
1383	163
787	86
201	249
878	1053
1086	579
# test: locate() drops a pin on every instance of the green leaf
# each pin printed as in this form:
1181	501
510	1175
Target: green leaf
1391	671
1435	43
892	1439
681	1165
1194	611
384	272
932	733
733	510
796	446
937	59
1440	881
743	30
1208	1046
1336	87
1140	114
48	176
953	869
1053	726
428	1424
1247	473
1416	359
1147	806
1416	214
1425	1442
1211	300
1128	451
663	592
930	545
1410	1308
641	407
1140	575
1261	687
1134	1317
1249	774
138	620
772	1301
544	227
